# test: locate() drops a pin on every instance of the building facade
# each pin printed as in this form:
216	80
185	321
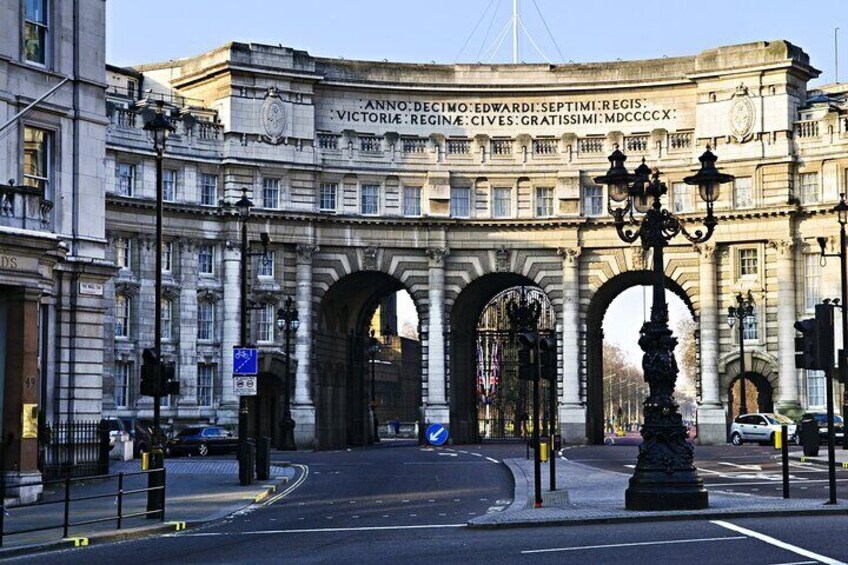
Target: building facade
455	183
53	267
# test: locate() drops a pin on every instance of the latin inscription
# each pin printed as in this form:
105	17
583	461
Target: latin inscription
505	114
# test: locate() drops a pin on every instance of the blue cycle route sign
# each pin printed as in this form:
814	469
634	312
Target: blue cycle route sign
245	361
436	434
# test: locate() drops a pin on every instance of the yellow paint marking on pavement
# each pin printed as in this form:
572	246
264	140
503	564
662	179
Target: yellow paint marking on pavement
79	542
178	526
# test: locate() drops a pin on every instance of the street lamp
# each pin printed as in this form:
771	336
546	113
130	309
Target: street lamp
524	326
744	312
373	349
665	477
244	204
841	210
288	322
159	126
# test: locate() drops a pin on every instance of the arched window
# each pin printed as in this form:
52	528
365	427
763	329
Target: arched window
206	321
123	312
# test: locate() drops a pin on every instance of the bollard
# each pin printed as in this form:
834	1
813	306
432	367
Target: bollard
263	459
543	450
784	455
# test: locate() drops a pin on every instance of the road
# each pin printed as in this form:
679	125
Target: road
398	503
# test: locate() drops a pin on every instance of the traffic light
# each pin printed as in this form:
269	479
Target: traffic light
548	357
527	342
157	383
814	350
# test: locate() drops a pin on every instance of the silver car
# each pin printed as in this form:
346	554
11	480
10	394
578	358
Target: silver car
760	427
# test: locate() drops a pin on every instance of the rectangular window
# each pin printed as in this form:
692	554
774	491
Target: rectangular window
809	188
544	201
36	29
413	144
682	197
37	158
205	384
743	192
271	193
815	388
206	321
812	280
370	200
123	313
125	176
123	254
412	201
265	324
459	146
208	189
748	262
167	318
265	269
751	327
169	185
593	200
327	197
502	202
369	144
122	384
460	202
501	147
206	259
167	256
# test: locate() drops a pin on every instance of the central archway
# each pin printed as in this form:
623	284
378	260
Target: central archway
601	300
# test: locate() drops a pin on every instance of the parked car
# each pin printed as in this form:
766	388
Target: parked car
202	440
760	427
821	420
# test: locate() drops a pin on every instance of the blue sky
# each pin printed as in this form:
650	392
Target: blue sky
436	30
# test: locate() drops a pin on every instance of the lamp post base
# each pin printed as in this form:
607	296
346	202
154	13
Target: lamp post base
657	490
287	442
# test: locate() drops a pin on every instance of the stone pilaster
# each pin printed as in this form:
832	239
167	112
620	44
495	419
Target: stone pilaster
572	413
787	399
436	406
184	325
303	409
712	427
229	312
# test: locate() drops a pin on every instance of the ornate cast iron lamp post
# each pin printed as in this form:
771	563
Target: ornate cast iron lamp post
744	312
665	477
373	350
288	321
841	210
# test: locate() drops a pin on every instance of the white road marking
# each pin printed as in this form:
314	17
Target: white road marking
476	454
631	544
492	460
797	563
744	467
447	454
315	530
777	543
304	473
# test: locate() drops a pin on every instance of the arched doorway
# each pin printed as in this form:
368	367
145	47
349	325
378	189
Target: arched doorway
596	409
345	367
465	314
758	392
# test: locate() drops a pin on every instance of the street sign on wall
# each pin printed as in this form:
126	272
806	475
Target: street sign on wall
244	385
245	361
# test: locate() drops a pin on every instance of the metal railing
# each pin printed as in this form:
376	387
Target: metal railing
70	449
66	524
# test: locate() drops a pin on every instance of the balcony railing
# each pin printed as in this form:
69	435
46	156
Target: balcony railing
807	129
24	207
590	145
636	143
680	140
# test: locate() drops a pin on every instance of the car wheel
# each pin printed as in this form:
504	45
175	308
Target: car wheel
771	439
736	438
203	450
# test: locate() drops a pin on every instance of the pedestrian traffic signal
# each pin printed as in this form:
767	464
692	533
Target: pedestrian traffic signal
548	357
814	349
157	378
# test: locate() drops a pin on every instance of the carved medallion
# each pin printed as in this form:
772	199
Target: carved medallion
502	260
369	258
273	117
742	113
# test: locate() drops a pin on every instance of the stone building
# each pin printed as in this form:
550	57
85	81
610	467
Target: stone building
52	225
456	182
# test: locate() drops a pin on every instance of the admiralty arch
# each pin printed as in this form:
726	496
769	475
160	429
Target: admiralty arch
455	183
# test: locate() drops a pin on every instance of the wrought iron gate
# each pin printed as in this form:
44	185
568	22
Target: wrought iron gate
504	402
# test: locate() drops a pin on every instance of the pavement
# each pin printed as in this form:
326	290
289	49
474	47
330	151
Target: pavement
841	457
197	491
588	494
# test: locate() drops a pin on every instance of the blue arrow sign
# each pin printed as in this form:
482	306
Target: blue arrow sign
436	434
245	361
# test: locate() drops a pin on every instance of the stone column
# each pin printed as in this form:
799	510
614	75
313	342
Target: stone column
712	427
20	393
572	412
229	313
436	405
184	327
303	410
787	399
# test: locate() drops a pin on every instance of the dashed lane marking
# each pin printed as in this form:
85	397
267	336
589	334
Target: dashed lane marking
777	543
492	460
